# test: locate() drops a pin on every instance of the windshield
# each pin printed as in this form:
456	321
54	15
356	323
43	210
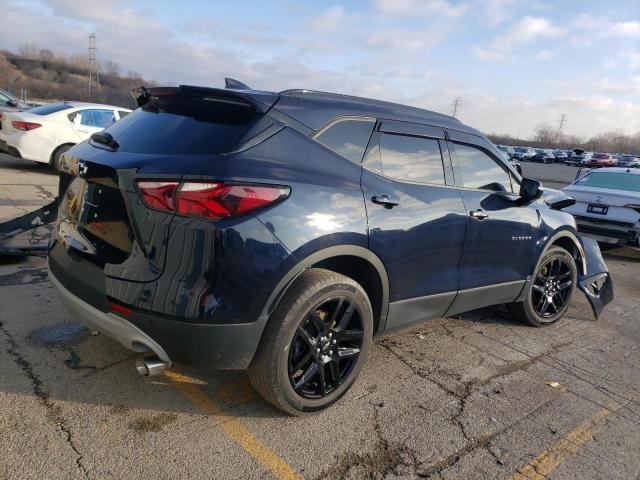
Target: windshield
615	181
4	97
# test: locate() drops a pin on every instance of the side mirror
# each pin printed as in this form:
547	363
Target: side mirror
530	189
12	103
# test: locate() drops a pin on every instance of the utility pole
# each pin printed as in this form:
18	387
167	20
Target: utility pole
93	75
456	106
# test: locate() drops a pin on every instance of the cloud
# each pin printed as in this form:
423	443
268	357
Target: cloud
600	28
401	39
528	30
331	20
412	8
498	11
402	51
545	55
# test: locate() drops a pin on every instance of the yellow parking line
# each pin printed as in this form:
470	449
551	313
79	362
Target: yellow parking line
547	461
232	427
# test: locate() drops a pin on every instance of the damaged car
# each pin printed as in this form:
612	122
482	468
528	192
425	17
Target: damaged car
281	232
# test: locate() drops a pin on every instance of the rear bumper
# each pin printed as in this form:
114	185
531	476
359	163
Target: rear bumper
607	231
118	328
224	347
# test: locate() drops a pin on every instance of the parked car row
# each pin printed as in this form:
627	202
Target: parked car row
574	157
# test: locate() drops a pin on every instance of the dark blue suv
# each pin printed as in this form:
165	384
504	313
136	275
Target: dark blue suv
280	232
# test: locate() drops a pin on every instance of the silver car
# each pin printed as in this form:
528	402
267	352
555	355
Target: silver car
607	204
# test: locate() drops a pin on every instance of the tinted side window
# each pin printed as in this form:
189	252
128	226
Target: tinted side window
349	138
97	118
473	168
412	159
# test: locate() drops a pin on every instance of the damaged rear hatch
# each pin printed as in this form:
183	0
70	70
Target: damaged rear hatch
106	238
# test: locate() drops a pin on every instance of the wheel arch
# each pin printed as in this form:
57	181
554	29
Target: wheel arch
356	262
55	150
569	241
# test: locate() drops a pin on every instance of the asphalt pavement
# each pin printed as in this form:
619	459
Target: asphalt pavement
473	396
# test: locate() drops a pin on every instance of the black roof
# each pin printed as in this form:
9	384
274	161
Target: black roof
311	108
315	109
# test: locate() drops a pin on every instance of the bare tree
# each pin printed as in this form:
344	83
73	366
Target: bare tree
29	50
111	68
546	136
46	55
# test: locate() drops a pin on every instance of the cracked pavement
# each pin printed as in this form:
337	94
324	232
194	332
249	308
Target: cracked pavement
473	396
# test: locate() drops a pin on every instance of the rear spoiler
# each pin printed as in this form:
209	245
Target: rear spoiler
258	100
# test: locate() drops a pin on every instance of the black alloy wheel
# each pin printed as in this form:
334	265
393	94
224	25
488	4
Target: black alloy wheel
548	296
315	343
551	287
325	348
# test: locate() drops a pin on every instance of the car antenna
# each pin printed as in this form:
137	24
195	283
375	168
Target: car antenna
233	84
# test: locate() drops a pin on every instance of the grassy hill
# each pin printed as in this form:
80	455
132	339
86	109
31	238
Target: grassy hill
47	78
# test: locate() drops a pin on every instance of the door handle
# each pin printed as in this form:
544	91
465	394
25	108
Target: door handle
479	214
384	200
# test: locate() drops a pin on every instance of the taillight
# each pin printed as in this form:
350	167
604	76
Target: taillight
211	200
25	126
158	195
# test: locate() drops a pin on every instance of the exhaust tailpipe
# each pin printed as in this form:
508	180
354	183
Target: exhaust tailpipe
150	366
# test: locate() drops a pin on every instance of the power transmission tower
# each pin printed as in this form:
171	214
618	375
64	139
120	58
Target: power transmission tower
563	121
93	75
456	106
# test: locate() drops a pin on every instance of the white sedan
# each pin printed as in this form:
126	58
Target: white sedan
44	133
607	205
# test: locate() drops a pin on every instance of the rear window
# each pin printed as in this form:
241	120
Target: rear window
616	181
600	155
185	127
50	108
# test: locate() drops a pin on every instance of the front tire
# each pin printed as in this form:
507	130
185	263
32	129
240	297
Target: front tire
549	294
315	343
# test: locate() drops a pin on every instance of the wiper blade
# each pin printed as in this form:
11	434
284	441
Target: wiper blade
105	138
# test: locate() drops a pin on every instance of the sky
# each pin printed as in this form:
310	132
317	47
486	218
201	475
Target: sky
513	64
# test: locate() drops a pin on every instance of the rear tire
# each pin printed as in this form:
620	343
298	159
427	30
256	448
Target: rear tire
315	343
55	158
549	294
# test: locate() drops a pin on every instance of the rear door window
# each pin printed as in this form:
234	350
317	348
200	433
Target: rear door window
411	159
348	137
